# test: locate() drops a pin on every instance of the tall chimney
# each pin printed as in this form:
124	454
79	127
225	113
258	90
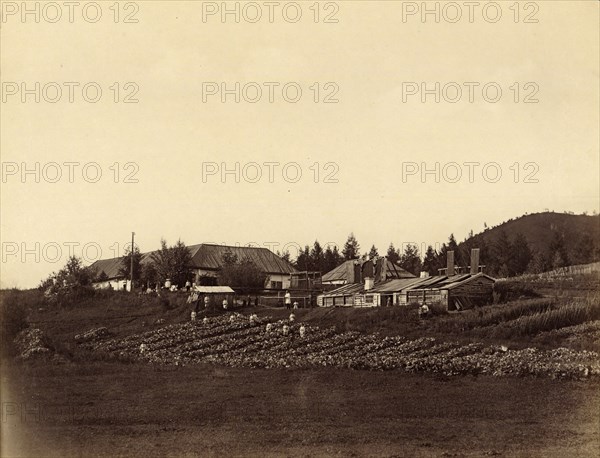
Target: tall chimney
474	261
357	272
383	271
450	263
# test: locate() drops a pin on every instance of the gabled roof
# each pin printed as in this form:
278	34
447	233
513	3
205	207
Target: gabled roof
456	283
345	272
210	257
394	286
110	267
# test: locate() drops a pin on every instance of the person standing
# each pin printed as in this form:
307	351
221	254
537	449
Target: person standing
288	300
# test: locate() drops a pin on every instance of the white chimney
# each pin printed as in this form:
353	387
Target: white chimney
368	283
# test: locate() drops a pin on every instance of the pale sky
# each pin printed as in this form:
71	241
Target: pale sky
370	58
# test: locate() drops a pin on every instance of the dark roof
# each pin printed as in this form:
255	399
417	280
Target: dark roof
210	257
455	283
397	285
445	282
110	267
345	272
406	284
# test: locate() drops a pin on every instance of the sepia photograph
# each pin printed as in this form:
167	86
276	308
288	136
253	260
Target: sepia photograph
311	228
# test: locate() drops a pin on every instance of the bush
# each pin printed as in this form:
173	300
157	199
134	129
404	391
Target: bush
13	317
437	308
512	289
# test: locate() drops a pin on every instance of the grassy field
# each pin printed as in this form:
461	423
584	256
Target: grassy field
98	409
81	405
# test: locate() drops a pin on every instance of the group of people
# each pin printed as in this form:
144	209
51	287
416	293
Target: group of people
288	301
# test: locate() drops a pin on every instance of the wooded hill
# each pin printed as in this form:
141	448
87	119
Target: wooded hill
554	240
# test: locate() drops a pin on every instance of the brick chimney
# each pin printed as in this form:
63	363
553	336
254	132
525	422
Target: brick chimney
474	261
450	263
357	272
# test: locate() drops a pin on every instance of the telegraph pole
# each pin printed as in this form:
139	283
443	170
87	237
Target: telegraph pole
131	269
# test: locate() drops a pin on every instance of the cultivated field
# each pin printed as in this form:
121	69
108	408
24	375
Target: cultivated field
519	378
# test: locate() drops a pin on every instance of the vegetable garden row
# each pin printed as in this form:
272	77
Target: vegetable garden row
238	341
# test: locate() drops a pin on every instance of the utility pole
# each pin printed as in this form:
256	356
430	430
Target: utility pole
131	269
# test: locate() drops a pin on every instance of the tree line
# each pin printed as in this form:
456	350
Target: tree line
503	257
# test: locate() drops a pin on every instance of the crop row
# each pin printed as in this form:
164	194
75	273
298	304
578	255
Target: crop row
240	342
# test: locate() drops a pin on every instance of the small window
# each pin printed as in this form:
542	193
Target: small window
276	285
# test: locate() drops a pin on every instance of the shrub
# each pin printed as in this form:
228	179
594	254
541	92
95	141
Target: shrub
437	308
512	289
13	317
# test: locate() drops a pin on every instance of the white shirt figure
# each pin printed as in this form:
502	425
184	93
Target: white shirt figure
292	317
225	304
288	298
206	301
269	327
231	318
302	331
295	305
286	330
193	316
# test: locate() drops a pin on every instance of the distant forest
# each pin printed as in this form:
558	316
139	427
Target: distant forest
533	243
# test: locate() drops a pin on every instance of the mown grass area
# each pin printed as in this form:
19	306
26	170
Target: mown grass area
110	409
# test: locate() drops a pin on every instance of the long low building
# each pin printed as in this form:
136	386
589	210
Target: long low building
207	261
455	292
